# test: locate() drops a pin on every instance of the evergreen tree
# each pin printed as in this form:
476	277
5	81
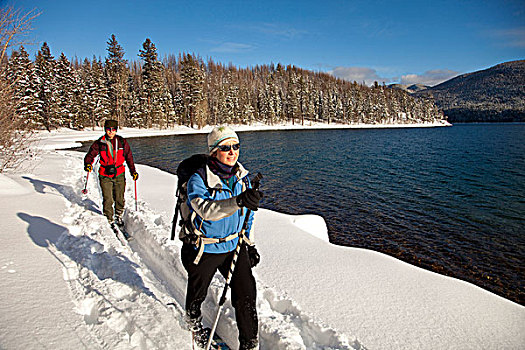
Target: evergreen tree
117	80
47	93
98	94
231	101
86	87
67	103
20	74
292	97
134	117
192	79
179	106
187	91
157	100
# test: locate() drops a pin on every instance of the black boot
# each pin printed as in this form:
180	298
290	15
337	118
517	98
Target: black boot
119	221
200	334
252	344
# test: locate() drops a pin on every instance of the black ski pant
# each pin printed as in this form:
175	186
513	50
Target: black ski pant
243	289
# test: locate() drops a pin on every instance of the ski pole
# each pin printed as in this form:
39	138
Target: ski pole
136	208
175	216
222	300
84	191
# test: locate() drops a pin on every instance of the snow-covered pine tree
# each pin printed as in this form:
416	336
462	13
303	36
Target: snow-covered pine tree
97	95
171	76
20	74
312	93
394	104
86	109
213	86
134	117
117	74
192	78
67	100
156	96
303	97
47	92
274	99
247	116
231	102
190	93
179	106
292	96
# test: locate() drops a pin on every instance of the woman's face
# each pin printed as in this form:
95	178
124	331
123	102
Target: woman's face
228	157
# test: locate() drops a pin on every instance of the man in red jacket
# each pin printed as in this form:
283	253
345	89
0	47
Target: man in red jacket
113	151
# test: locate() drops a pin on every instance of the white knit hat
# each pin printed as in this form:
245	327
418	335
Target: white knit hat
219	134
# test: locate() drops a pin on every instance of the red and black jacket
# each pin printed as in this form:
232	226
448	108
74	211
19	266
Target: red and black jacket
116	155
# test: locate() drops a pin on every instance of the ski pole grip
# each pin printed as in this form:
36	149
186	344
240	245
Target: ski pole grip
257	181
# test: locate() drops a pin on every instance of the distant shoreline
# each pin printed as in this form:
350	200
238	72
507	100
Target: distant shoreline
61	138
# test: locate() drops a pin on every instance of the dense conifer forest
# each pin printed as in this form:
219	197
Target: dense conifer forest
186	90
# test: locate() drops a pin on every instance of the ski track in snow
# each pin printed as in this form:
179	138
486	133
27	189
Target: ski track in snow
123	292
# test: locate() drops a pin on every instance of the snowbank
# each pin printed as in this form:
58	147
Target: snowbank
10	187
91	291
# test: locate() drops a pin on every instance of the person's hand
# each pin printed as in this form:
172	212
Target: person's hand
135	176
250	199
88	167
253	255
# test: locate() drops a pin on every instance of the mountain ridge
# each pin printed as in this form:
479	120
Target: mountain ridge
495	94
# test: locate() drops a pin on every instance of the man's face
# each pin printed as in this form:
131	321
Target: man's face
111	132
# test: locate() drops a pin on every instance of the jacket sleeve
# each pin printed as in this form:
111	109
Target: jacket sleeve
93	152
204	205
128	155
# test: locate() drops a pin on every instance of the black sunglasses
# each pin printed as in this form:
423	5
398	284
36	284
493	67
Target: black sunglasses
111	129
227	148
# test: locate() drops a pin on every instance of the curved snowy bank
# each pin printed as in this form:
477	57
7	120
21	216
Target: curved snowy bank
379	300
384	303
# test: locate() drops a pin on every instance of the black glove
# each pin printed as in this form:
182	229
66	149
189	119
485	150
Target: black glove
253	255
250	199
88	167
135	176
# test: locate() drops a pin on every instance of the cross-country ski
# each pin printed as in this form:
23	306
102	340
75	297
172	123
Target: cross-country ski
121	233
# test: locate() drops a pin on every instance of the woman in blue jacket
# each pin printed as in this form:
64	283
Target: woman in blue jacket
218	196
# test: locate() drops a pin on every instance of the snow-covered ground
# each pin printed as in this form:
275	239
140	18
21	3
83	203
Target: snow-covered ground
67	282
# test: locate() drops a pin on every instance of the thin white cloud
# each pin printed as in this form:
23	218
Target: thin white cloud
280	30
370	75
277	30
357	74
231	47
429	78
514	37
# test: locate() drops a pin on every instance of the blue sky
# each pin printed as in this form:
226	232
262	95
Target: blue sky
388	41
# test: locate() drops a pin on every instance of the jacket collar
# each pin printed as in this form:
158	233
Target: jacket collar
215	182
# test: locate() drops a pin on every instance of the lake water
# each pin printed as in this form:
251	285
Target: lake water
449	199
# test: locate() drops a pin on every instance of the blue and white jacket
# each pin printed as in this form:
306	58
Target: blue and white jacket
217	213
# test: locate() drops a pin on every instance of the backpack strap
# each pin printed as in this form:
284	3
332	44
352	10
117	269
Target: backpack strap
245	185
175	215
